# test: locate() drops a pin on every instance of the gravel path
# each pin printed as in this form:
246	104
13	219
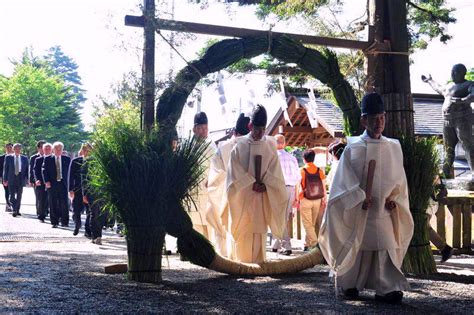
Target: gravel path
47	271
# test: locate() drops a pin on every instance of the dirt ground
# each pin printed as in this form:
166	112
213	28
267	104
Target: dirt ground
48	271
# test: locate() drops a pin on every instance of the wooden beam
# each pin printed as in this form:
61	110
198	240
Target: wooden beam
208	29
298	129
132	20
299	138
323	142
148	73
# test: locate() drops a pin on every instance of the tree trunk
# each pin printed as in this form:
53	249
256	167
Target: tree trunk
399	115
388	72
144	248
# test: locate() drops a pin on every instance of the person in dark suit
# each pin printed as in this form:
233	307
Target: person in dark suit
39	148
15	177
75	189
55	168
41	193
8	150
98	217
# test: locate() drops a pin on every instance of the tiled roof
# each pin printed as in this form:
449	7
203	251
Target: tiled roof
327	113
428	116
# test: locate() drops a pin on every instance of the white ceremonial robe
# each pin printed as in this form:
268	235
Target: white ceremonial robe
332	172
200	196
217	208
251	213
366	248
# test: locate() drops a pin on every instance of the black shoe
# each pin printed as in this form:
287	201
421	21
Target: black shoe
394	297
286	252
14	214
41	220
18	214
64	225
76	231
446	253
55	226
274	250
351	293
88	235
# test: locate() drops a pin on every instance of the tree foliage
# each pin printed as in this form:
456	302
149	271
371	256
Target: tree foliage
36	103
123	113
65	67
427	19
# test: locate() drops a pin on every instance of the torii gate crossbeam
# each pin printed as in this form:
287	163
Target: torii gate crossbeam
208	29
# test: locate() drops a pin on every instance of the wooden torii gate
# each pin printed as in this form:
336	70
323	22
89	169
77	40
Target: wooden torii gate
393	83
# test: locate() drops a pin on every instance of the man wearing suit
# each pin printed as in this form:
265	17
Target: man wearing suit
41	193
55	168
15	176
75	189
39	148
8	150
97	216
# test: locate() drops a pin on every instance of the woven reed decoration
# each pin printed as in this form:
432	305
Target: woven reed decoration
321	65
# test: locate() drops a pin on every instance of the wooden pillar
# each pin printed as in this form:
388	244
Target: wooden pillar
466	226
290	227
148	70
456	211
298	225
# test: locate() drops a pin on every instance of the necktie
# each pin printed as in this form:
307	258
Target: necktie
58	169
17	165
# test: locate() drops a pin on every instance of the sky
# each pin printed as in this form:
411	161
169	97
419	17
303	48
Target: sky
93	33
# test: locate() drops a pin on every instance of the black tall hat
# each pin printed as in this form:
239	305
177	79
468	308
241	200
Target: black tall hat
200	119
372	104
242	125
259	116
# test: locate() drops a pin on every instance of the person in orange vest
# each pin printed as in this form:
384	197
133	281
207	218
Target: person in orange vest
312	198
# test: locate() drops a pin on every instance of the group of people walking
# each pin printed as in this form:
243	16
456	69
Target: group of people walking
55	178
251	185
363	229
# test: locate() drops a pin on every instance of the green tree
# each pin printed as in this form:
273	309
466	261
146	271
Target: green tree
34	105
124	113
427	19
64	66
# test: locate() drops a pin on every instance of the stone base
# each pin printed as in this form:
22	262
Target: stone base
460	183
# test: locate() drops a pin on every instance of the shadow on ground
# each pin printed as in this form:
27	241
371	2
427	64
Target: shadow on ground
43	281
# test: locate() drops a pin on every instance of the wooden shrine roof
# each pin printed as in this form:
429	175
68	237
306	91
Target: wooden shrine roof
329	127
428	120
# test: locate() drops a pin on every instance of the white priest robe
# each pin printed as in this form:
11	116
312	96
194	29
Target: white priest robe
251	213
217	208
365	248
200	196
